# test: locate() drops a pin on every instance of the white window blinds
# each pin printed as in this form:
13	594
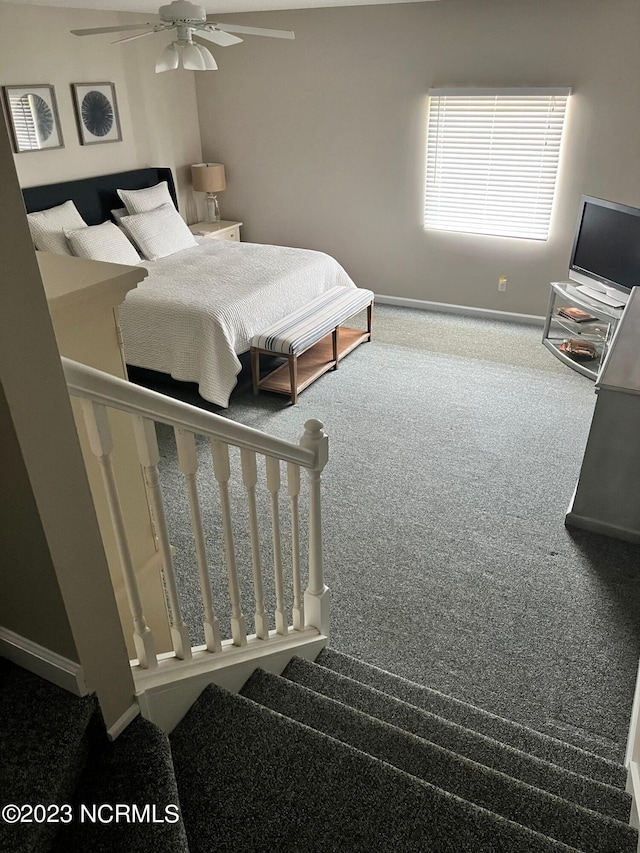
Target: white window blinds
24	123
492	160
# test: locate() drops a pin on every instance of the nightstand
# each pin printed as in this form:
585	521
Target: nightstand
222	230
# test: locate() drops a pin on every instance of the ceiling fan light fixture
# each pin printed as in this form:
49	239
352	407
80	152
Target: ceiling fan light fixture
192	59
209	62
186	20
169	59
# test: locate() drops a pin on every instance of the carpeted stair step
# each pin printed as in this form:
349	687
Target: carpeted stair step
134	770
538	810
469	744
520	737
44	745
252	780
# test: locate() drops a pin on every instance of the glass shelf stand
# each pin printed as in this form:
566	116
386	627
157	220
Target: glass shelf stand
599	331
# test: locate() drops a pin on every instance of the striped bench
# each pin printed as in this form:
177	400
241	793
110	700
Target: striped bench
312	339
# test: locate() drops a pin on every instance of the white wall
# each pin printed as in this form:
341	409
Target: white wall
158	112
323	137
54	576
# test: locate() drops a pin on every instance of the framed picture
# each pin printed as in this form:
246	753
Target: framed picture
96	112
33	117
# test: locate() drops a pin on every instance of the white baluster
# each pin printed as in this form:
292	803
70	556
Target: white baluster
273	485
147	443
293	484
250	478
222	471
316	599
100	441
188	461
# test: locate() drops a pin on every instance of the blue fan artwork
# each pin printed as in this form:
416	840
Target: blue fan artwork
33	117
97	113
41	115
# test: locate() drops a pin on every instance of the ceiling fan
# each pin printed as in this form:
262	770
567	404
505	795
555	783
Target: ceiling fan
188	20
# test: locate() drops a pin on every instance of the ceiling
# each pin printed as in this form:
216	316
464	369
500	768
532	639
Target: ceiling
212	6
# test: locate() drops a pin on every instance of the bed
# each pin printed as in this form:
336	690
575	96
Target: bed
199	307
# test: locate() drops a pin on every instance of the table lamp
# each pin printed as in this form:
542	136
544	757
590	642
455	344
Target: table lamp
209	178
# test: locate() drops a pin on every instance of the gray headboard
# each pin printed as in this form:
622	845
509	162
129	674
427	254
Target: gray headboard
96	197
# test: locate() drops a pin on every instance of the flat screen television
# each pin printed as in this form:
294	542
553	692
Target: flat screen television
606	249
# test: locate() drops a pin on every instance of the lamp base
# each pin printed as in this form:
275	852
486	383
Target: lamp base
213	211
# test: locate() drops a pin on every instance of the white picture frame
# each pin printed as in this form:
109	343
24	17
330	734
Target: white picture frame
96	113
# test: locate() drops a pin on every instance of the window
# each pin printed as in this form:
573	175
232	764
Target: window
492	160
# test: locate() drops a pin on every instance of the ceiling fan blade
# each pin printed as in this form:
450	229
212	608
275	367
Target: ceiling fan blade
217	37
254	31
131	38
93	31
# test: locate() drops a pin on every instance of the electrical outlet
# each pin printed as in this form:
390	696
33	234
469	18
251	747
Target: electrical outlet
502	283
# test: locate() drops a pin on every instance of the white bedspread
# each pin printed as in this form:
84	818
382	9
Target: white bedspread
199	308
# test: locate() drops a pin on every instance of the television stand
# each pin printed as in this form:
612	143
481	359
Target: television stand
601	296
563	335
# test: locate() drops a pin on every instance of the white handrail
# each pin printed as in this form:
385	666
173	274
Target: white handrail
83	381
98	392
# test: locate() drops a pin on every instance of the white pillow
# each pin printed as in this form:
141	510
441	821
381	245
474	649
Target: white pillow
159	232
105	242
48	227
139	201
118	214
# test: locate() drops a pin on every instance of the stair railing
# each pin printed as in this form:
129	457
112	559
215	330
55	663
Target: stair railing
98	392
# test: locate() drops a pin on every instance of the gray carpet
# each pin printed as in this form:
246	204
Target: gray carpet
329	756
43	745
455	445
305	790
55	751
503	795
136	769
445	548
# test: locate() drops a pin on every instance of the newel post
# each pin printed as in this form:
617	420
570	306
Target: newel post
316	597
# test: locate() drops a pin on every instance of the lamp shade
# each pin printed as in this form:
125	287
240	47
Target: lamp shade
208	177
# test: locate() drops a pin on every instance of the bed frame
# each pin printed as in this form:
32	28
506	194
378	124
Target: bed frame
96	197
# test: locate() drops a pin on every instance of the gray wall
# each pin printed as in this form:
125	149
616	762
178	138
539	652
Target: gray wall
158	112
323	137
31	604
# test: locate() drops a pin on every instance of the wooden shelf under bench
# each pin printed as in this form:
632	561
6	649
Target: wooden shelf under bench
318	359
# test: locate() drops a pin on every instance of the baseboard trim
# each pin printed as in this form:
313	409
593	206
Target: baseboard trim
466	310
43	662
633	788
123	721
573	519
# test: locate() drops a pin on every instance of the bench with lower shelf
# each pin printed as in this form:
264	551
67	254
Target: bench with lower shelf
312	339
